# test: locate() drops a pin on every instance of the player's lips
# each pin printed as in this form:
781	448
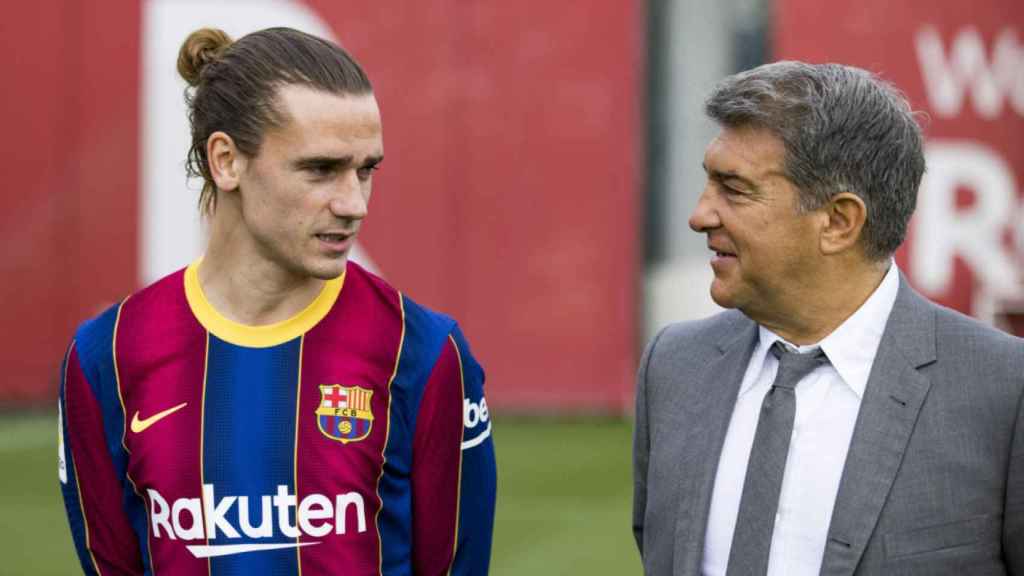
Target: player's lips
336	241
722	257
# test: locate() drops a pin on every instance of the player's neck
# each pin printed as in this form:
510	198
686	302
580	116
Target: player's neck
252	290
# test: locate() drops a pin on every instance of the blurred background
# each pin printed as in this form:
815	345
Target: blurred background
542	161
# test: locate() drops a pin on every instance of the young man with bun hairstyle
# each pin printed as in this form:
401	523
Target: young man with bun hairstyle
274	408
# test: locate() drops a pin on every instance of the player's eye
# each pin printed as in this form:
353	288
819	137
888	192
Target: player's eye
366	172
728	190
320	171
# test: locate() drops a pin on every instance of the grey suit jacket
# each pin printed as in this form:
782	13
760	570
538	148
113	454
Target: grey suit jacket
934	478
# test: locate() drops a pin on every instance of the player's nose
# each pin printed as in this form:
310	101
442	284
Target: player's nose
350	198
704	216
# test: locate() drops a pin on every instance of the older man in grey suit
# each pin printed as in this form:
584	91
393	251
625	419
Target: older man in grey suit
833	421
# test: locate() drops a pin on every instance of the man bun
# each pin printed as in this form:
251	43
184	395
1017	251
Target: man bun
200	49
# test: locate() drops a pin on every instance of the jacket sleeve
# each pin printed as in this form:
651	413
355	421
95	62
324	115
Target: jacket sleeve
641	446
92	489
1013	514
454	472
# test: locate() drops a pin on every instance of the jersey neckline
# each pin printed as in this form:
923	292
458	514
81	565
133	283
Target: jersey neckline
257	336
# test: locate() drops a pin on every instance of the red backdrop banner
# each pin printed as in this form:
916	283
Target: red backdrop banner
510	196
963	64
68	214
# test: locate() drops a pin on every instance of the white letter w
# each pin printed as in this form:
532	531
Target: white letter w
967	69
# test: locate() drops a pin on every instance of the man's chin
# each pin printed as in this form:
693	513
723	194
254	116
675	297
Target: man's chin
721	295
328	270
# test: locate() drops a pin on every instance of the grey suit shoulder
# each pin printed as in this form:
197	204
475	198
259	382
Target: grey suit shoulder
934	479
683	347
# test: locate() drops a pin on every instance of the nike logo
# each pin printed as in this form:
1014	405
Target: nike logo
141	425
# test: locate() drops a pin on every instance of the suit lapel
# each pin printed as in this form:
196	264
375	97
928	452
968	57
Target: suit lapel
892	400
708	411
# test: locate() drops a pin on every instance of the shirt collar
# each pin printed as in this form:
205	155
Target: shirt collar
851	348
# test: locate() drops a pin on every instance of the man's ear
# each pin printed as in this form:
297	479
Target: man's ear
226	162
847	215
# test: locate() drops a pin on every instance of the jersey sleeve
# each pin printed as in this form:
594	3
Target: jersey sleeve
478	482
92	490
454	473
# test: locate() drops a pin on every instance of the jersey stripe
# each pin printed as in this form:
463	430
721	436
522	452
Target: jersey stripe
73	493
351	353
249	449
137	509
458	496
295	451
202	435
387	436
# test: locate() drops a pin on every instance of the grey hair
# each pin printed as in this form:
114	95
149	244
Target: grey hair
844	130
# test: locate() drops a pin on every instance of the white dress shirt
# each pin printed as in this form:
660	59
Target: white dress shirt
827	402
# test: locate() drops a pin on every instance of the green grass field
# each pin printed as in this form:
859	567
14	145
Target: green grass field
563	498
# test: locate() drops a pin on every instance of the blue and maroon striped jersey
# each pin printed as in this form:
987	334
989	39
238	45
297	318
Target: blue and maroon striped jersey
353	438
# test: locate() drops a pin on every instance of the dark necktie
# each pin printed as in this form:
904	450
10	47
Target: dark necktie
752	540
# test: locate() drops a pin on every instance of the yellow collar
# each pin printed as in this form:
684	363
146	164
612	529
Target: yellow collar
257	336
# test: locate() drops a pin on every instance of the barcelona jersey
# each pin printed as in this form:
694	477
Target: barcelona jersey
353	438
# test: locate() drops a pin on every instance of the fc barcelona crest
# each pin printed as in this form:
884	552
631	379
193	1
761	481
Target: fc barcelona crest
344	413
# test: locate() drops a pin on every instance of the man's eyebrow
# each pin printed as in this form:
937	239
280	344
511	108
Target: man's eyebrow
335	161
722	175
322	161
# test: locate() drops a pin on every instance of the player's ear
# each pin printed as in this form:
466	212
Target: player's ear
847	215
226	162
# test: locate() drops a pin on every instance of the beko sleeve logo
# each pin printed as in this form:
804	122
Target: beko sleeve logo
477	422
